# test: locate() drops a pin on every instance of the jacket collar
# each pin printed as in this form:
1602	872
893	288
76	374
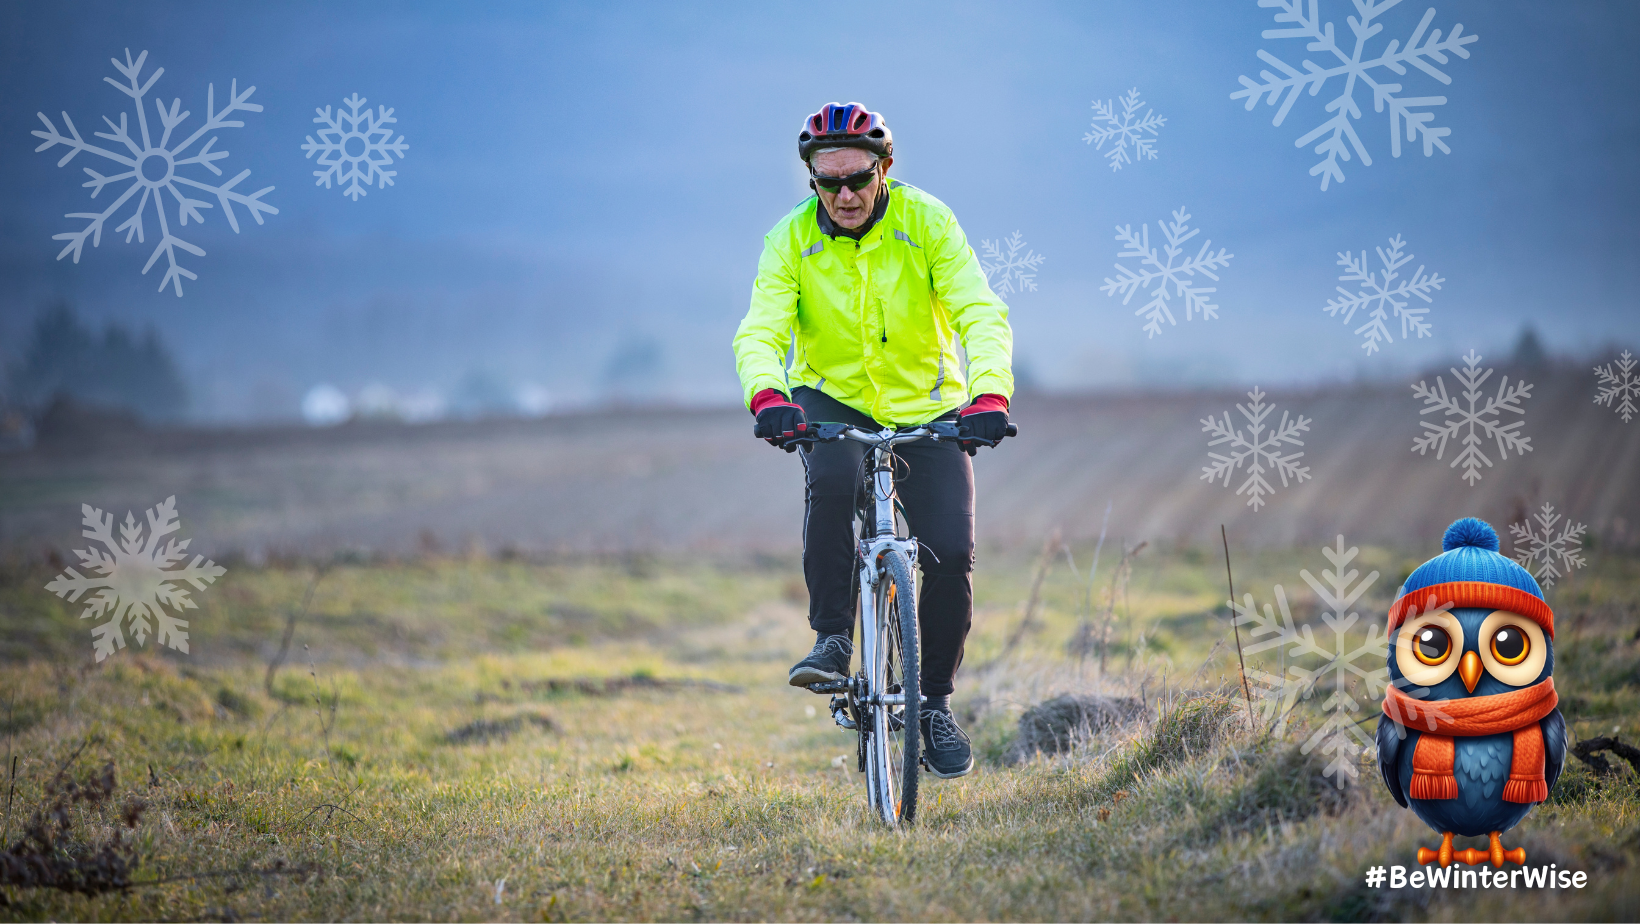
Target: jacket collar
830	229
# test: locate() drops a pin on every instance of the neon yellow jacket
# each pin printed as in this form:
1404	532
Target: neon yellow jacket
878	322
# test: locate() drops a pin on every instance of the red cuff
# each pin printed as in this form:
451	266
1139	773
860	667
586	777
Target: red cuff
985	403
767	398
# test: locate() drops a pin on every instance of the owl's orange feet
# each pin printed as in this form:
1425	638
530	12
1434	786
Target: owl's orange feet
1493	854
1498	855
1443	855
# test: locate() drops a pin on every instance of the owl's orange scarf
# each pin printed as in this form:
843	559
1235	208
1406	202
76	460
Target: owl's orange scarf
1517	711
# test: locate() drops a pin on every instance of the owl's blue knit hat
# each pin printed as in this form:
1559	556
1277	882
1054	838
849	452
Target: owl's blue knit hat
1470	572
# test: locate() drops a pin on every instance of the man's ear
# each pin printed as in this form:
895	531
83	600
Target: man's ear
887	162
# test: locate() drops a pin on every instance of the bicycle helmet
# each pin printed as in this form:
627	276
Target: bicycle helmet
839	125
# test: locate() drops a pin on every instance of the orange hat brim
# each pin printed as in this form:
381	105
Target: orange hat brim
1473	593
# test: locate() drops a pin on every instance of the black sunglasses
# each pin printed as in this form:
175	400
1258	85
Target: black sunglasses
854	181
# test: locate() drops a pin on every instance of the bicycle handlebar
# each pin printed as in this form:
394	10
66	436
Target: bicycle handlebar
939	431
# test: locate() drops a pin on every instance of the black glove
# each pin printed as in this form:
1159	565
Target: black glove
991	426
780	422
985	419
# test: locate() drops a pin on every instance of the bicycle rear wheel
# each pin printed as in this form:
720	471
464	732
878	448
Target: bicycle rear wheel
893	749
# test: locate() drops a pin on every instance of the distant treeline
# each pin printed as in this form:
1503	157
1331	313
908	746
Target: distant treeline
64	358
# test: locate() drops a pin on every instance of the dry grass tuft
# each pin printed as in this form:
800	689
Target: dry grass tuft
53	853
484	730
1190	729
1061	723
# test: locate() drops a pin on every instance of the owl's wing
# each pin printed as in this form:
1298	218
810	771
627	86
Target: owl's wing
1389	757
1554	746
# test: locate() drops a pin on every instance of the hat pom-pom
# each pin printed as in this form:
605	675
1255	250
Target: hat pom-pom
1470	533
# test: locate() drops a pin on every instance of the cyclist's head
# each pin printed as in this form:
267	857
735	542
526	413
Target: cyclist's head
847	142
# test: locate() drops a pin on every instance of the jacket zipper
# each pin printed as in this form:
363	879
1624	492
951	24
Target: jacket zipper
882	323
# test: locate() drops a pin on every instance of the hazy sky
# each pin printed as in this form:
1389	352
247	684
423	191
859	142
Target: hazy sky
585	183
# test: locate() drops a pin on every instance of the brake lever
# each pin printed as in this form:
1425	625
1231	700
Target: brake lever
816	433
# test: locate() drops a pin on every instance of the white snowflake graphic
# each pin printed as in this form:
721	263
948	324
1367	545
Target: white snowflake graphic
1381	292
1127	129
1261	448
1355	69
1017	273
1619	387
1342	659
1545	553
354	147
1471	421
1154	270
134	579
153	169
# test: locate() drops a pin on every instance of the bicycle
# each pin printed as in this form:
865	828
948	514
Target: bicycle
882	702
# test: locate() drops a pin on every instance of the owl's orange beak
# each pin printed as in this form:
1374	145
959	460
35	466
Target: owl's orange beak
1470	670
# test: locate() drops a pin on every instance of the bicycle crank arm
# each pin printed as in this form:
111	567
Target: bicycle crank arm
892	699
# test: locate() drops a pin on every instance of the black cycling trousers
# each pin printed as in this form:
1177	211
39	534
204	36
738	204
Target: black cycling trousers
936	487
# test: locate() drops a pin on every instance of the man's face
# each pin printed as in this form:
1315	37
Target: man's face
848	208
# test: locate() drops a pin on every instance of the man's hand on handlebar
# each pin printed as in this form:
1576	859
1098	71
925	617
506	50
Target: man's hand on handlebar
984	423
944	431
781	423
778	420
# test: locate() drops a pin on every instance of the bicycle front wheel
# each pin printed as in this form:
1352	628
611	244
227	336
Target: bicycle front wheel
893	751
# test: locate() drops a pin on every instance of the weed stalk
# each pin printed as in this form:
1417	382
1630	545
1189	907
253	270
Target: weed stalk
1043	563
1235	626
290	629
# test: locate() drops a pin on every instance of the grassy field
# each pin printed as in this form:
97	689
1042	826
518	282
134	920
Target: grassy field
611	738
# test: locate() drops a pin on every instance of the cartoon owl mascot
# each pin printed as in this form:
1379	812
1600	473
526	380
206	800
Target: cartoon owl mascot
1470	737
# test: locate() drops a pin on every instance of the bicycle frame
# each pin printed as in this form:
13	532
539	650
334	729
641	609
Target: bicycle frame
882	538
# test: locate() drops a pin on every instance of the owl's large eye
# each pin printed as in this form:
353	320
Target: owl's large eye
1509	646
1432	645
1513	648
1426	647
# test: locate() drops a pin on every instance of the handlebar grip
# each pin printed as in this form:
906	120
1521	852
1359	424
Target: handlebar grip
1013	429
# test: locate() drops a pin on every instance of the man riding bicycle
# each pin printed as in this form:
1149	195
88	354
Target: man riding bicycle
876	283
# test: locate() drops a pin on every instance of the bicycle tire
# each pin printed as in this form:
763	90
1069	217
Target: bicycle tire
895	753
